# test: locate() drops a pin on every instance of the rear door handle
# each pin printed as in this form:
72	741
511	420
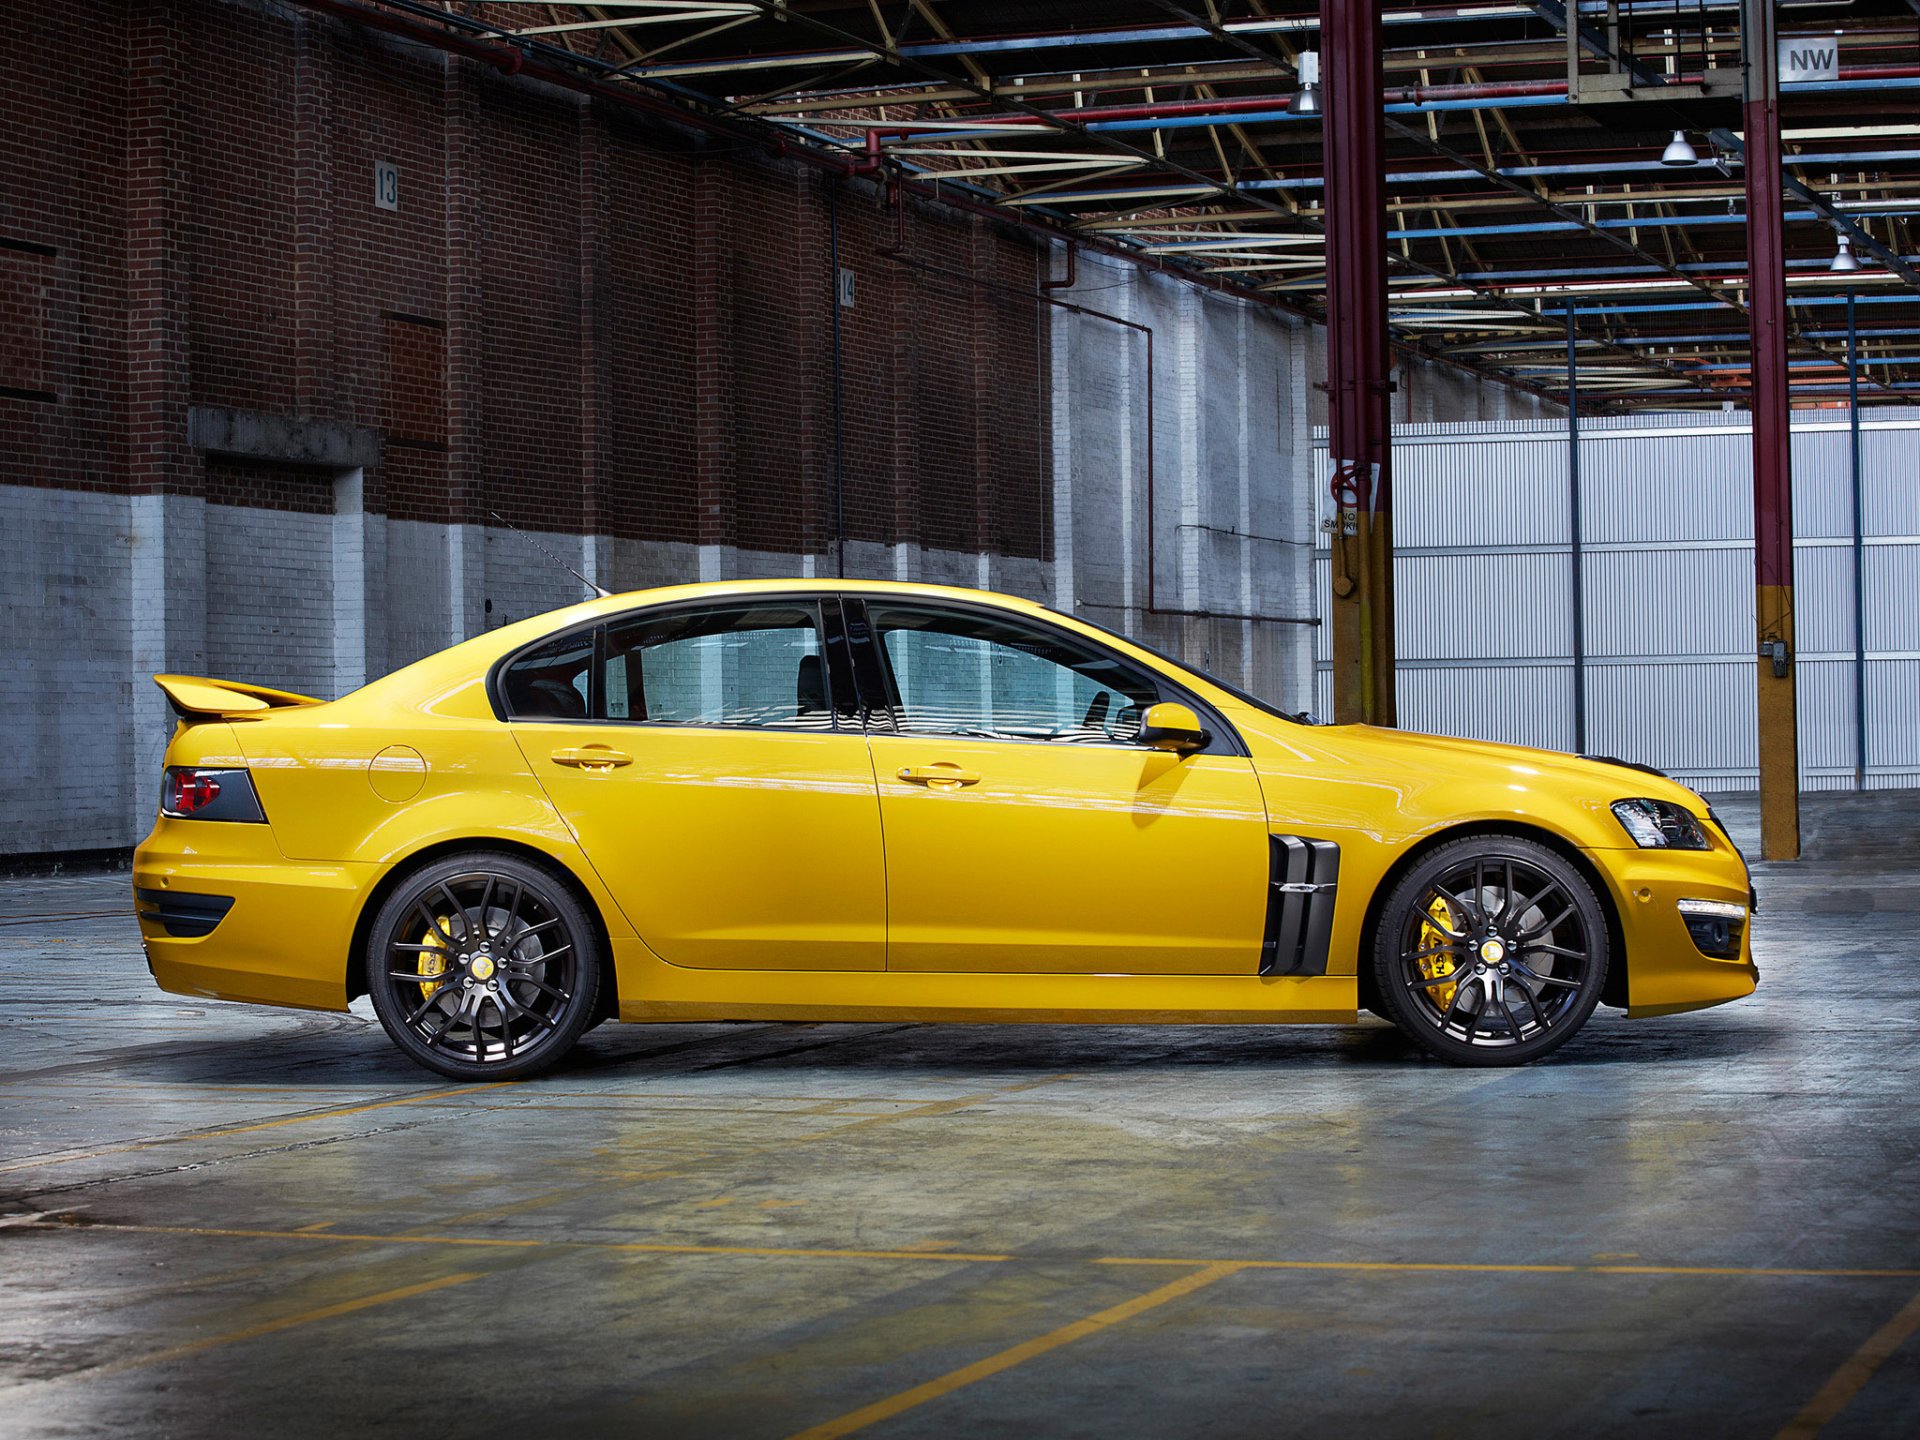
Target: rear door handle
943	775
592	757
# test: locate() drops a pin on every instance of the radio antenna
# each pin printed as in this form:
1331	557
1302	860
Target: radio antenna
597	590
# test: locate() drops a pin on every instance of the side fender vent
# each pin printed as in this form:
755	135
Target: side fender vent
1306	874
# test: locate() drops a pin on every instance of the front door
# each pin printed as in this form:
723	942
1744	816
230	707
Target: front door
1025	829
698	756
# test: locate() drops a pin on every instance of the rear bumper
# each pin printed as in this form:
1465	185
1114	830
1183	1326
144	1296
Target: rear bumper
284	939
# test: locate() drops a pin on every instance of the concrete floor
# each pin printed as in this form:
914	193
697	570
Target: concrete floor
262	1223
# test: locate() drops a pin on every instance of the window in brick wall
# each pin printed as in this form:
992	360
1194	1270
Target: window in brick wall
24	270
414	408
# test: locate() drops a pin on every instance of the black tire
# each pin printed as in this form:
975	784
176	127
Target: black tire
483	967
1518	924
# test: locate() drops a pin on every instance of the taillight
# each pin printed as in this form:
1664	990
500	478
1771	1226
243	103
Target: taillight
191	793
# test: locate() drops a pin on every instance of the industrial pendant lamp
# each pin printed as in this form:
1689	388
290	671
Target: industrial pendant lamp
1307	102
1845	262
1678	151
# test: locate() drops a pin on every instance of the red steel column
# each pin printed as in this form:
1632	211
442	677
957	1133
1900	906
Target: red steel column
1360	609
1772	445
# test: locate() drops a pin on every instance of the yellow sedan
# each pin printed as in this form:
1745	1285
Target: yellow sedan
795	800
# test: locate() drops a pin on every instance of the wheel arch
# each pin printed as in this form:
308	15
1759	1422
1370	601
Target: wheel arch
1613	992
609	997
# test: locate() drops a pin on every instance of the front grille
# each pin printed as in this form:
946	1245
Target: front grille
182	915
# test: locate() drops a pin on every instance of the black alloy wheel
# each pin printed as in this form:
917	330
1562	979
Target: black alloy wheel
483	967
1492	950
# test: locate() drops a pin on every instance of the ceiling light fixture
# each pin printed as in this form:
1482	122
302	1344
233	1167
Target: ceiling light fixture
1845	262
1678	151
1307	102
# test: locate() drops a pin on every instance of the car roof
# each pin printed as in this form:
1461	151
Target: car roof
789	585
809	584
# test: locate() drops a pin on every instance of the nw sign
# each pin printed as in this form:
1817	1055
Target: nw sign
1809	57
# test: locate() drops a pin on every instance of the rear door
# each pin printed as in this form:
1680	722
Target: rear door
710	760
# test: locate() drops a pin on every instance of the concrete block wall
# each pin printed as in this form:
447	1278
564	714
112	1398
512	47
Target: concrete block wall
273	573
65	603
1220	477
1234	480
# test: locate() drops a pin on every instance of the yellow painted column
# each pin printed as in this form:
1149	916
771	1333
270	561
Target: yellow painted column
1360	614
1779	727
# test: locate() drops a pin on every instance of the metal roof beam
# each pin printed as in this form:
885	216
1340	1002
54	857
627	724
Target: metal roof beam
1727	140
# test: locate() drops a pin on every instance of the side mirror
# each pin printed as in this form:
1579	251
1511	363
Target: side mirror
1168	726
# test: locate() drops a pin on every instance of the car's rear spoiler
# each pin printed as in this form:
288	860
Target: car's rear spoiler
196	695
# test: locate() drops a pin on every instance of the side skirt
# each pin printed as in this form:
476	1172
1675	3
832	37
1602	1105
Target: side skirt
651	990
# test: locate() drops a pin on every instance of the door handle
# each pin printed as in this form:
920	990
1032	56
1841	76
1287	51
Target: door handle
592	757
942	774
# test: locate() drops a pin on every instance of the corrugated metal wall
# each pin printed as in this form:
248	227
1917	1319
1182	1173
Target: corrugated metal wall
1484	606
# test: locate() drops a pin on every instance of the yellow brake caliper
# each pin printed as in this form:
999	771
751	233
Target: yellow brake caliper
1432	967
434	962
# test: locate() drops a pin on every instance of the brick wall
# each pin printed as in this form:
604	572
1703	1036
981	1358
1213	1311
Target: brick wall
577	318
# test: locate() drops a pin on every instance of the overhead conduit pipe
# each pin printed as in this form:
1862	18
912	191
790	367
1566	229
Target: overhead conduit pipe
1182	113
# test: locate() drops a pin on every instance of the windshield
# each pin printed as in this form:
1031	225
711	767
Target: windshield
1298	717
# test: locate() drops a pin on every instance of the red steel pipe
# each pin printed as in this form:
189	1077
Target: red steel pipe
1767	307
1779	747
1359	363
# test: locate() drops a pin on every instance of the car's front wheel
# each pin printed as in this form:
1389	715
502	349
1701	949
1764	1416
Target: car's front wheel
1492	950
483	967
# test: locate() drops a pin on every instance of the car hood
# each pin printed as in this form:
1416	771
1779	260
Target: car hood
1412	763
1452	754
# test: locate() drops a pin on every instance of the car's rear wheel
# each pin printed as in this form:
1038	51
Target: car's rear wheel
1492	950
483	967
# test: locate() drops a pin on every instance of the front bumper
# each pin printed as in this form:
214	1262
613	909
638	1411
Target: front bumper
1666	971
284	940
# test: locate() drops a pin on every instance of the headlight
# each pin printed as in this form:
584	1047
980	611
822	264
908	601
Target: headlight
1661	825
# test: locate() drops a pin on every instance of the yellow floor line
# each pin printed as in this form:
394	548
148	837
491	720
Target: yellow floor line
1472	1267
1848	1380
270	1327
915	1251
982	1369
217	1133
643	1247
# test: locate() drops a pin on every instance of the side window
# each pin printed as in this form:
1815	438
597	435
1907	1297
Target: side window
740	665
960	673
551	681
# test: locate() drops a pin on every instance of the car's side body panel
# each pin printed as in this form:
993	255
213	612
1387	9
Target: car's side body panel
728	848
1076	859
355	789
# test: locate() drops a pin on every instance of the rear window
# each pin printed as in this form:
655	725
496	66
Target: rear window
553	681
735	665
757	665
